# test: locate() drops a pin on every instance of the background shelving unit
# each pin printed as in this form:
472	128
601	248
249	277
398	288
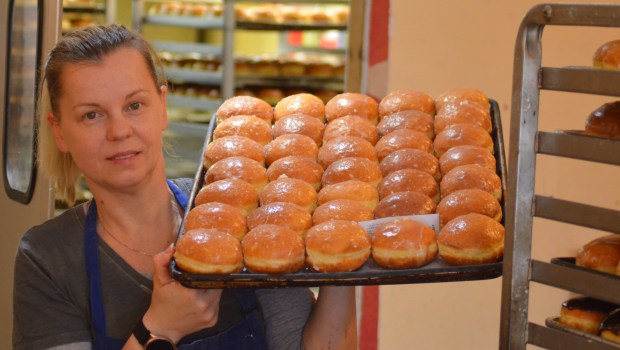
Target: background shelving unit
523	204
80	13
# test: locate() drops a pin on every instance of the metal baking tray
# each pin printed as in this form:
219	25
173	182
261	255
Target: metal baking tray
370	273
570	263
554	322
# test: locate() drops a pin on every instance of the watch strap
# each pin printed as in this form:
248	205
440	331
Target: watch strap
141	333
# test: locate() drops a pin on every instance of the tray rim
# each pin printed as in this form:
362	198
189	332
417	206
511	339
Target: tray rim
554	322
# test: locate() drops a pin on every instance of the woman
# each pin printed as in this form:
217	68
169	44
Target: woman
97	275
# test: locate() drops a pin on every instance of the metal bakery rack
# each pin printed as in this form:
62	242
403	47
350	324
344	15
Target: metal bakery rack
523	204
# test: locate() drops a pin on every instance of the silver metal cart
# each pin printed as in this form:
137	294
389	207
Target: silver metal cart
523	204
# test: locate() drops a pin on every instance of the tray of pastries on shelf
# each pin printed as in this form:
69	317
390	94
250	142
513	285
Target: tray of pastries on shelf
602	122
186	8
291	14
292	65
607	56
589	317
191	60
600	255
355	191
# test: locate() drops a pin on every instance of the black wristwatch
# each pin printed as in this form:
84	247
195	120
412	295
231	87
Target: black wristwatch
151	341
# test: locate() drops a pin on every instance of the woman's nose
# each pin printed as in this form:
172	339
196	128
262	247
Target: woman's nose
119	127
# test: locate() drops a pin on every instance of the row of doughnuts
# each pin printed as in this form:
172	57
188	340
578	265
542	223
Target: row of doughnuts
604	121
592	316
290	145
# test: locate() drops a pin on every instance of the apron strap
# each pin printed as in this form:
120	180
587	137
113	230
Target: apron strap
180	196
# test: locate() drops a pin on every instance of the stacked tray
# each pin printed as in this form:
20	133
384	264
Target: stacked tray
370	273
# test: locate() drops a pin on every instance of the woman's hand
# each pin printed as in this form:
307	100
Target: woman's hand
175	310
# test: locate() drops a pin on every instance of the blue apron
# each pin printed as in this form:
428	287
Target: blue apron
246	335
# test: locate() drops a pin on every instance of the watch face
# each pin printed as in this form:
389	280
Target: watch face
159	344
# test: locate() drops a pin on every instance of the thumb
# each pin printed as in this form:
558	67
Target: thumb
161	261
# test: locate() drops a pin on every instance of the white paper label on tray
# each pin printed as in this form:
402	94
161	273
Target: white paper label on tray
431	220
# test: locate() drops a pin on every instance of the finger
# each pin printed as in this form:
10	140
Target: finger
160	266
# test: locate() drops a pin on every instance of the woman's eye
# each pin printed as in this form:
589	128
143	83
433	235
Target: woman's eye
90	115
135	106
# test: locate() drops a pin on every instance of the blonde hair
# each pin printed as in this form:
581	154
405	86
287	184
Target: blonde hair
91	44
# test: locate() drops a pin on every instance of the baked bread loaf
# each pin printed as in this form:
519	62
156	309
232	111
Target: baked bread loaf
291	191
585	313
273	249
242	168
600	254
220	216
471	176
462	155
464	113
351	103
244	105
290	145
403	244
471	239
605	121
607	56
337	246
462	95
244	125
610	326
285	214
235	192
343	147
360	191
302	103
297	167
409	180
300	124
460	135
410	158
342	209
352	168
208	251
402	138
406	99
351	125
403	204
231	146
410	119
467	201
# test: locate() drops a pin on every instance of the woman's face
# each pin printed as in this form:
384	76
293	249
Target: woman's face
111	119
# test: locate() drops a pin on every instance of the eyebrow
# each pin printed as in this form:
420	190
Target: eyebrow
128	96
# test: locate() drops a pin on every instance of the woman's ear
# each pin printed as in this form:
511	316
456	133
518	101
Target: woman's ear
54	124
164	91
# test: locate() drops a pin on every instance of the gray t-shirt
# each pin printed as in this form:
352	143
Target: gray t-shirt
51	296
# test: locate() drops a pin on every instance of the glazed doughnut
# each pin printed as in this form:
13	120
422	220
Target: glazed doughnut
273	249
403	138
462	95
600	254
302	103
585	313
244	105
467	201
351	103
403	204
403	244
231	146
409	180
464	113
410	158
610	326
343	147
290	145
223	217
406	99
352	168
341	209
471	239
411	119
351	125
285	214
360	191
297	167
463	155
471	176
459	135
337	246
208	251
270	95
244	125
607	56
289	190
236	192
299	124
242	168
604	121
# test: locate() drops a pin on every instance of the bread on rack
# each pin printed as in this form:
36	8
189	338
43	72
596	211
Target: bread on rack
410	158
285	214
466	154
290	145
600	254
604	121
214	215
406	99
208	251
236	192
303	124
352	168
403	204
607	56
610	326
351	125
409	119
244	125
403	244
467	201
351	103
244	105
471	176
337	246
585	313
400	139
409	180
342	209
471	239
242	168
273	249
358	190
297	167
